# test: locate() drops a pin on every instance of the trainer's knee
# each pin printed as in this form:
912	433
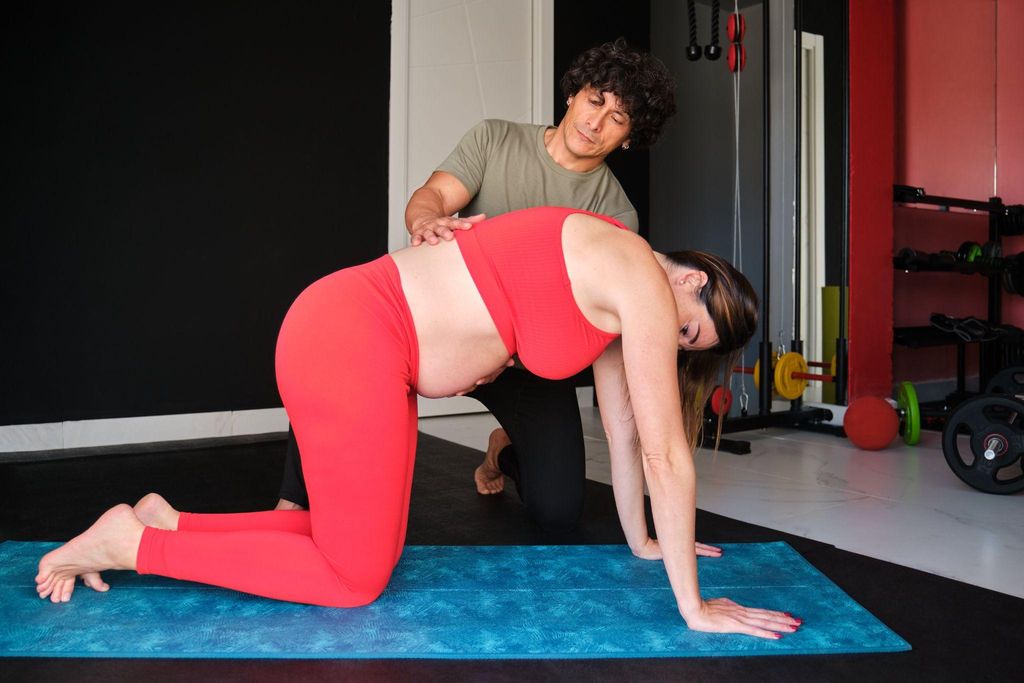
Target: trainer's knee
556	514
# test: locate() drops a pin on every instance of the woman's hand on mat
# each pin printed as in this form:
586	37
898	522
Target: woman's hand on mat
652	551
433	229
722	615
705	550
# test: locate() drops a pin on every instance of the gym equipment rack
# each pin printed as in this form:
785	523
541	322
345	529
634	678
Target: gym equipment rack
1002	220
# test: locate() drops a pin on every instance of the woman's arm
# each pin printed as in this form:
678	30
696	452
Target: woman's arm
649	320
627	470
649	323
623	446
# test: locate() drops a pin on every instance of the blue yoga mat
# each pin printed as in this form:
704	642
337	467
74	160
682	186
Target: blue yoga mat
447	602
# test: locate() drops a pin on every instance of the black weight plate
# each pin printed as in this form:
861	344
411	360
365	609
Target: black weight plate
1009	283
992	460
906	257
1007	382
991	250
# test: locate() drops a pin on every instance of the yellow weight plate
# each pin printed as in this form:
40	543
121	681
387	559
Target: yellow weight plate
757	371
790	387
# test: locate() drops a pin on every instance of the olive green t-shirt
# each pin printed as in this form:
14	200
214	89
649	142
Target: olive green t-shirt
506	167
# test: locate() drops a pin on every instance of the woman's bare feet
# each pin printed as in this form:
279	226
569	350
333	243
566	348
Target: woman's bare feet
111	543
488	476
154	510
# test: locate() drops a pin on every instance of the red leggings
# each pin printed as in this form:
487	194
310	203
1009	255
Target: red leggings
347	362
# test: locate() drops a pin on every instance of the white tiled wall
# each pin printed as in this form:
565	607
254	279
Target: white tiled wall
468	61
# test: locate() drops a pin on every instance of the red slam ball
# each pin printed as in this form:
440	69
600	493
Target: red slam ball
871	423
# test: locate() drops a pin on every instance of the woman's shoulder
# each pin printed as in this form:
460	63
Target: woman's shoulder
604	256
590	232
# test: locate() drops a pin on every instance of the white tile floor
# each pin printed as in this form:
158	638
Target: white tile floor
903	504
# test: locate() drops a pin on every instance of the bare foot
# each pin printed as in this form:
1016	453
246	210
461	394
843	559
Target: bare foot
283	504
111	543
488	476
154	510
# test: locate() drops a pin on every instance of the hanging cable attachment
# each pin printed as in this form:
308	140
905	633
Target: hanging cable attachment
693	50
712	50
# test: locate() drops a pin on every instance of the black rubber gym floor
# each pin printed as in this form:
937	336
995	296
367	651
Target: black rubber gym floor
959	632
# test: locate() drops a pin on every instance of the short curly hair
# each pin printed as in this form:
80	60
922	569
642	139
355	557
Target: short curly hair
639	79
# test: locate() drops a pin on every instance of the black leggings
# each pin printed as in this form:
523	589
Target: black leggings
546	459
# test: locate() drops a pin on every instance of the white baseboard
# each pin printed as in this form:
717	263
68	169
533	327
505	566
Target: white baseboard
78	434
137	430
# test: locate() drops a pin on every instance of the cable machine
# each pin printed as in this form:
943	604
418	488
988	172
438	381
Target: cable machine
794	371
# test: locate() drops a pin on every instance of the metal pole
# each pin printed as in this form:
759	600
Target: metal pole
841	350
765	392
798	176
797	343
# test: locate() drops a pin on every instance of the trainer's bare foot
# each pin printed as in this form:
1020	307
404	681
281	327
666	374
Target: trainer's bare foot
111	543
154	510
283	504
488	476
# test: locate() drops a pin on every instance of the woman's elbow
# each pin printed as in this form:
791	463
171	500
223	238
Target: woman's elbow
666	464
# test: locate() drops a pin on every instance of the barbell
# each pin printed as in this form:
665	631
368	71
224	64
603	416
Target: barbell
790	374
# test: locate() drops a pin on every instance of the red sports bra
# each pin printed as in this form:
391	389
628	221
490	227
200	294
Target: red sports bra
517	263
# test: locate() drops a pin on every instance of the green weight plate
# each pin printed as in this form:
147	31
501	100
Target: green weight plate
910	427
973	252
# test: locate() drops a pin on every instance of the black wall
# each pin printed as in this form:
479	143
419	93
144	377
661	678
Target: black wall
581	25
174	175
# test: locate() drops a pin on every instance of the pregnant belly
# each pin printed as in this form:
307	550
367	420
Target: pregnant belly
450	367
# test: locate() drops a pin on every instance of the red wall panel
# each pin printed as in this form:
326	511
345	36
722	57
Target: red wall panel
946	94
872	120
1010	128
1010	102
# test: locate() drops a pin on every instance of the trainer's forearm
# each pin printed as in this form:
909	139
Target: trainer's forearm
425	202
672	482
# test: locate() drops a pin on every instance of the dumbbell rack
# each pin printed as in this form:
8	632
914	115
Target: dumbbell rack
1002	220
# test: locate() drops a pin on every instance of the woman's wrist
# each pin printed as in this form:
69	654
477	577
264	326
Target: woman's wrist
690	607
638	546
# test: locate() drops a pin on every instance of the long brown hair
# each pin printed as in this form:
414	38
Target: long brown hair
733	306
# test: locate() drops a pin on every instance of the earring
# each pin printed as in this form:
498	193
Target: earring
568	101
625	145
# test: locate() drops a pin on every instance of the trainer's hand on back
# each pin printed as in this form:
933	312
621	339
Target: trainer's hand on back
722	615
436	228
